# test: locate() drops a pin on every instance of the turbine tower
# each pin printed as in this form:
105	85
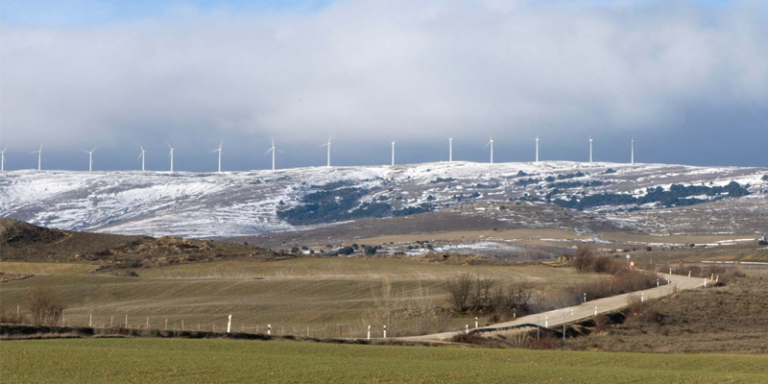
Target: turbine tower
590	149
450	149
393	153
39	153
328	144
273	149
219	152
90	158
490	142
537	148
142	155
170	155
632	156
2	159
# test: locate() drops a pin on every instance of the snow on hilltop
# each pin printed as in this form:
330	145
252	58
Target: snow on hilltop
244	203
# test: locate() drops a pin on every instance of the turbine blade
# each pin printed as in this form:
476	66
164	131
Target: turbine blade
268	151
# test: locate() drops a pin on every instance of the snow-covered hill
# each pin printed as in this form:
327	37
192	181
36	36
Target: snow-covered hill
245	203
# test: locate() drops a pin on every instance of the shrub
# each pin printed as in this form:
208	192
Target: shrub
583	259
45	307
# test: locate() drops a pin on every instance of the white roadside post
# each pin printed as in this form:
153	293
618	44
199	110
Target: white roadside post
689	273
571	311
670	271
712	277
369	332
657	283
147	322
642	297
229	323
546	321
705	282
90	320
126	321
595	311
385	331
166	325
717	278
475	322
269	329
466	329
585	297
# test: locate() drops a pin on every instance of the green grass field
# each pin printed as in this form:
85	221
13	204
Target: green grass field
227	361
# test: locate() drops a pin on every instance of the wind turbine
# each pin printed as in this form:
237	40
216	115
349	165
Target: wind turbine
393	153
590	149
632	156
39	157
328	144
537	148
273	149
450	149
490	142
215	150
2	161
170	155
142	154
90	158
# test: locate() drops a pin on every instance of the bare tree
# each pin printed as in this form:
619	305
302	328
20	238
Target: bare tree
45	307
459	290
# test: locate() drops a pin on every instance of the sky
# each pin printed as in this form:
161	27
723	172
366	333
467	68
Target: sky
687	79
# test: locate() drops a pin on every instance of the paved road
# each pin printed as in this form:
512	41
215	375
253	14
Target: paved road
555	319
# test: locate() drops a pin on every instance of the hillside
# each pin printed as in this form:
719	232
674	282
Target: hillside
20	241
251	203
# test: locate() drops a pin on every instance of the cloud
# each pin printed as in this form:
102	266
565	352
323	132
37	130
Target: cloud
376	70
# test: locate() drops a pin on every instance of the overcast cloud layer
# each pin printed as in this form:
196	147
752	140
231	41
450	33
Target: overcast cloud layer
689	80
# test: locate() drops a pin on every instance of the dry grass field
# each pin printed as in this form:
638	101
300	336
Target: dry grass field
330	296
724	319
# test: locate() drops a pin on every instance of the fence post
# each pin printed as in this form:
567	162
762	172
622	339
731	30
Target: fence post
369	332
229	323
90	320
385	331
475	322
269	329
